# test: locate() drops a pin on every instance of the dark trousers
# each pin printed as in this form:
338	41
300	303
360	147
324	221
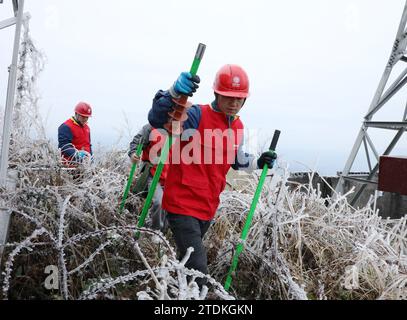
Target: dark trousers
189	232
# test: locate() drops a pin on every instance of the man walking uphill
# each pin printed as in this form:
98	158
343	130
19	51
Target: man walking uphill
192	188
151	138
74	136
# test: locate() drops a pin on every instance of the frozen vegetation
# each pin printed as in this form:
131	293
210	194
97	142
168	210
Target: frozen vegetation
300	246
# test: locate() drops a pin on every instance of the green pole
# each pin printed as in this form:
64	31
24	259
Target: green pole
167	146
197	59
156	178
130	180
246	228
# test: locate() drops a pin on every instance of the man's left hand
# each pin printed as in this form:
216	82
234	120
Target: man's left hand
267	158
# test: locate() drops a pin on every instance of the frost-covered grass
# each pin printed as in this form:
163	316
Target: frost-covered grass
304	246
300	246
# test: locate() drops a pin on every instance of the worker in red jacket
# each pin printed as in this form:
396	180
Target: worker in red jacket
152	141
192	188
74	136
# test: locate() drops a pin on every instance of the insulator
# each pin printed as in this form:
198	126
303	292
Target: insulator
178	115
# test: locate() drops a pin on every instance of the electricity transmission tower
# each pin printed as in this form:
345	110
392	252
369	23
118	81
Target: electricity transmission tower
17	20
385	91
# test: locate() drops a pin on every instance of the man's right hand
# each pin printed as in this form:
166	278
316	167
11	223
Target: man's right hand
134	158
186	84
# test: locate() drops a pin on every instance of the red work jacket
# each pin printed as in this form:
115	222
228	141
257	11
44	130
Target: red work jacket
80	136
153	151
193	189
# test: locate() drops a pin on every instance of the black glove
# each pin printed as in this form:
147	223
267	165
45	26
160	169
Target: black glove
267	158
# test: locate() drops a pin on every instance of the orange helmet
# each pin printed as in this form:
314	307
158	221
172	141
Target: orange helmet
84	109
232	81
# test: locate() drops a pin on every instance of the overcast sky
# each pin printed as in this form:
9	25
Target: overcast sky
314	65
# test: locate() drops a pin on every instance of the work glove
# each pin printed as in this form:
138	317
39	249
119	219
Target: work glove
134	158
267	158
81	155
186	84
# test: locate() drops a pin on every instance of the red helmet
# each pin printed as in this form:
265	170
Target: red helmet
84	109
232	81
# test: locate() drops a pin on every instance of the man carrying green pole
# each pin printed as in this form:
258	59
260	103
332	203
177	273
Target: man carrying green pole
152	143
177	115
249	218
193	184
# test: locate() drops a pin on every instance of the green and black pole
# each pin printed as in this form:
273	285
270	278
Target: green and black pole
246	228
167	146
130	180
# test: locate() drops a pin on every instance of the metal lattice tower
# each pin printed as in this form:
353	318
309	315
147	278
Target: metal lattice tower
17	20
381	97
